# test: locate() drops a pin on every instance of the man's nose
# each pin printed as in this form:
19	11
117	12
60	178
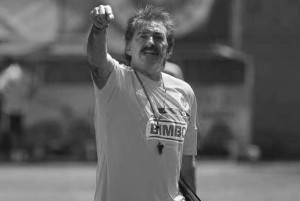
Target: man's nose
150	41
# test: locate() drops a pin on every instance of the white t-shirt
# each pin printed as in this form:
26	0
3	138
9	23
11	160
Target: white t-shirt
130	166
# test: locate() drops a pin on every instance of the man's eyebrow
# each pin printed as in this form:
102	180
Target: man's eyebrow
158	33
141	32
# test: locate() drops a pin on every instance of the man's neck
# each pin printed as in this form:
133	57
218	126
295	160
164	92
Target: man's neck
153	76
152	72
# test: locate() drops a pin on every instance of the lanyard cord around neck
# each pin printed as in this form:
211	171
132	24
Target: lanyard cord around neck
160	146
148	98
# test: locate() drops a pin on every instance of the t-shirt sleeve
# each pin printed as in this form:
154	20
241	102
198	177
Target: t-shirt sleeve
190	140
115	83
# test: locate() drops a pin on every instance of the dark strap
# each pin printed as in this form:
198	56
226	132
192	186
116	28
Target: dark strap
187	192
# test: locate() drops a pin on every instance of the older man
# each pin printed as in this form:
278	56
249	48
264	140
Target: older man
145	119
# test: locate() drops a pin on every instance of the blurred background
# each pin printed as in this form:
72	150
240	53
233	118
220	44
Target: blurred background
240	57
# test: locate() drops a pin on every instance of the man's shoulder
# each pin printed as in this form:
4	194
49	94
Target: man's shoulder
122	67
176	83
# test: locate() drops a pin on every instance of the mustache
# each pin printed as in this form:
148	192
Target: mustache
152	48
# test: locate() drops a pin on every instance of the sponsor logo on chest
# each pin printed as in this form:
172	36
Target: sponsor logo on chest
166	130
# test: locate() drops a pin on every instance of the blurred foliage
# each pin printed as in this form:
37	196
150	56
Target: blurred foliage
215	143
54	140
80	140
43	138
278	145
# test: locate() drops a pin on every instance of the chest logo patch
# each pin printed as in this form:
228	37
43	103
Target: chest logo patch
166	130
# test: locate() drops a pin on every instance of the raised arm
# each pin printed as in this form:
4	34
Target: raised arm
99	60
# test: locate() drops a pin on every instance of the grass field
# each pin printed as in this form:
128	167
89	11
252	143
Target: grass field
217	181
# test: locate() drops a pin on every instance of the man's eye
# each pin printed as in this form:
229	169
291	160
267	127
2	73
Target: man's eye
159	38
143	36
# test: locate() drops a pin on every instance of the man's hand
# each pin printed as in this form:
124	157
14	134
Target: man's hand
101	16
100	61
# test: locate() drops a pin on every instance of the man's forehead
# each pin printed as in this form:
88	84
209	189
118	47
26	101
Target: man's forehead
151	27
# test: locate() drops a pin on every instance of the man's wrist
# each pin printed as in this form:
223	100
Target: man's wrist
100	29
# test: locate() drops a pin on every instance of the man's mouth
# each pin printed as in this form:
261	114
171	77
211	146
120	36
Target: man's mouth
150	51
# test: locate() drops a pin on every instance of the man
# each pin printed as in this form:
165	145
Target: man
145	120
16	88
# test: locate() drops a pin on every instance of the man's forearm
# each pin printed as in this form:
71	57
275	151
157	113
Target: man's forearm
97	47
188	171
98	57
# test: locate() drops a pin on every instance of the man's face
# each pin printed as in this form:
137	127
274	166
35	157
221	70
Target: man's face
148	47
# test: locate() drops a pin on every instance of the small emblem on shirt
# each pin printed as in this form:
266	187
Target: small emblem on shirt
183	102
140	92
183	113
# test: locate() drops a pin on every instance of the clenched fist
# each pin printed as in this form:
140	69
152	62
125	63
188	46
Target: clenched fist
101	16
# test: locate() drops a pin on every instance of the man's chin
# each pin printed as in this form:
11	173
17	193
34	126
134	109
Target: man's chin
152	60
151	57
